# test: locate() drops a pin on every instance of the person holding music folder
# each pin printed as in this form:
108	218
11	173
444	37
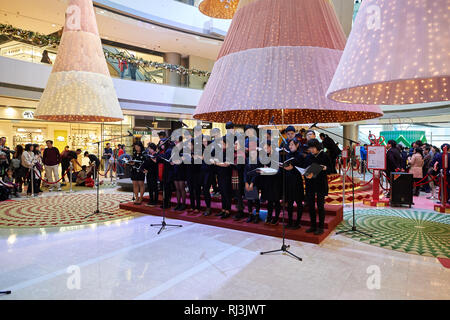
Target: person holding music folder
317	185
179	178
165	170
137	172
271	191
194	178
237	179
208	179
224	174
252	186
294	183
151	170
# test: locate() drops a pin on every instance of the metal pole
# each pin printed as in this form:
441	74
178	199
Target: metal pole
32	180
70	175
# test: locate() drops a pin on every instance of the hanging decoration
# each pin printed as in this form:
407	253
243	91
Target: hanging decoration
80	87
220	9
42	40
277	61
397	53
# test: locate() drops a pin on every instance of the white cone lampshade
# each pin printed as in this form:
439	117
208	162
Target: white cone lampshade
80	87
397	53
277	60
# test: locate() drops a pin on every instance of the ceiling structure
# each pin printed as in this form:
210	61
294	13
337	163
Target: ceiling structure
113	26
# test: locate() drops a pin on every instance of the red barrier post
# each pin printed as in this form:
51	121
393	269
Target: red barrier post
444	207
373	154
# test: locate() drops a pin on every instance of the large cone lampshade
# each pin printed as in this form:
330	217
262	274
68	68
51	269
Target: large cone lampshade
220	9
80	87
277	60
397	53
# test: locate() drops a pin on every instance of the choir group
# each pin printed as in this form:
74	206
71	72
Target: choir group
238	181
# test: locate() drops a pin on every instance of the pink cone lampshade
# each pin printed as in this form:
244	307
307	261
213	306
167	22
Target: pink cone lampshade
80	87
278	59
397	53
220	9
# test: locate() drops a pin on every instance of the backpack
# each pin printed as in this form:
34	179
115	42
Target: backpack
15	163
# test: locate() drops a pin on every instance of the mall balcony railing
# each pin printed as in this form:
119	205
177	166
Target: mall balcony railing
32	53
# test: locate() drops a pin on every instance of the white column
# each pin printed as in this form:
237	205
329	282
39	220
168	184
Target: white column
351	131
172	78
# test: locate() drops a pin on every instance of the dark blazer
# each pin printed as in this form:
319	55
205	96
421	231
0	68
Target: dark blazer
318	184
331	146
393	160
293	178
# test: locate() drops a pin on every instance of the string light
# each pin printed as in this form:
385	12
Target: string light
415	59
274	59
79	87
221	9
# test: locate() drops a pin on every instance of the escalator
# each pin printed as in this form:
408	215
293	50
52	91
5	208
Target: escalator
147	74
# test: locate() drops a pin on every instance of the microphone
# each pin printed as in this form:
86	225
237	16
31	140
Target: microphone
184	124
149	128
130	133
272	120
314	125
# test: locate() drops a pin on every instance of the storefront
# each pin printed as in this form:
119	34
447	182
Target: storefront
19	126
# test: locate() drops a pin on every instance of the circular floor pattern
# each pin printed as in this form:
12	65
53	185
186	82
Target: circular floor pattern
63	210
412	231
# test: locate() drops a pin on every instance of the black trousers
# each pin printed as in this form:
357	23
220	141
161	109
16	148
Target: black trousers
333	159
208	180
271	204
253	203
152	185
214	184
290	209
64	167
195	188
225	192
311	199
238	195
167	189
36	184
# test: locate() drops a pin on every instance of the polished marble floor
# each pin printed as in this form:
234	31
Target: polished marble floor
128	260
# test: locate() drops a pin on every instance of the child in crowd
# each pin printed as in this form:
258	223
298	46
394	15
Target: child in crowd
8	180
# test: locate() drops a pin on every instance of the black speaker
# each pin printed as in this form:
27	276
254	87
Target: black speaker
401	188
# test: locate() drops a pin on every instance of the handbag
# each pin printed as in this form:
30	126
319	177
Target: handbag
15	163
252	194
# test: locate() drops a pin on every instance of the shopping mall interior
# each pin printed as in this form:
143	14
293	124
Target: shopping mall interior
92	92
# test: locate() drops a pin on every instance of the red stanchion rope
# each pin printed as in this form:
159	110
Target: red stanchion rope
46	181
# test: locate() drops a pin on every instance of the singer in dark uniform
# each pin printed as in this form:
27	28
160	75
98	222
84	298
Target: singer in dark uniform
294	184
151	169
271	191
194	179
165	171
317	186
137	172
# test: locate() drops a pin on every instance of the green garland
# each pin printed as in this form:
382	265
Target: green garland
39	39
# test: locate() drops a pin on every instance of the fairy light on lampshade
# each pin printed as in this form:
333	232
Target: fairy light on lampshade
220	9
277	60
80	87
397	53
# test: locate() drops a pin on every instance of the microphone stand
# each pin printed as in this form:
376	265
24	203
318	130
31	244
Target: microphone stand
353	228
163	223
97	175
284	247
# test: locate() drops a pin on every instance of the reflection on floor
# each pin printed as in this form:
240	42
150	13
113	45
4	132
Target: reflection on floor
127	260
